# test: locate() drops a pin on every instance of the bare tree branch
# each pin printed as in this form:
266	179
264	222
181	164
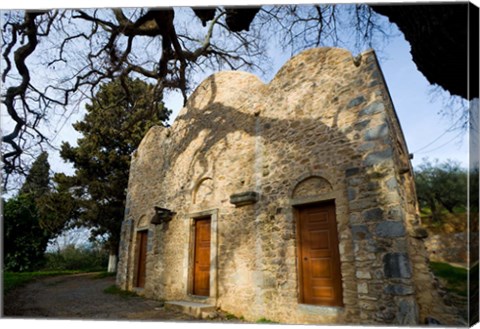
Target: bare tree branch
29	28
81	49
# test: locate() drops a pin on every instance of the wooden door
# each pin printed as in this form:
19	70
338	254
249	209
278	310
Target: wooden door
201	272
142	237
319	260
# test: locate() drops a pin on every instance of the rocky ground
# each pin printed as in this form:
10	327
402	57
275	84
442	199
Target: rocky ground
82	296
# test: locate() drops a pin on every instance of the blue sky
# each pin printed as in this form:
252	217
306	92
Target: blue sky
427	132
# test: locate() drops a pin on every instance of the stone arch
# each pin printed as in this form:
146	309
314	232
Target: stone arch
203	190
311	186
143	221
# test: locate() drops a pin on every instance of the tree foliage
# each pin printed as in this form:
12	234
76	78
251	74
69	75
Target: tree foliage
441	186
112	129
37	182
57	210
25	239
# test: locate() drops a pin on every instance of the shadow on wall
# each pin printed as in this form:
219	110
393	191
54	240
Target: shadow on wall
296	126
217	121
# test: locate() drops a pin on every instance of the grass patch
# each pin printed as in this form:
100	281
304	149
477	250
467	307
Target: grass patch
230	316
233	317
455	277
13	280
263	320
114	290
104	274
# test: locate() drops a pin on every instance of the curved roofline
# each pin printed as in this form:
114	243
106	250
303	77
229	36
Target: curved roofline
290	62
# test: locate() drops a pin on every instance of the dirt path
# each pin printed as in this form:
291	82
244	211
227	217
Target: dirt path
82	296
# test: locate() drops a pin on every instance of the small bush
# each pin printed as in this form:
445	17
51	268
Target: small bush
230	316
75	258
263	320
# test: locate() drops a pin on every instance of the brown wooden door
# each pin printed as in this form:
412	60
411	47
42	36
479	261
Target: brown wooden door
201	275
320	277
142	237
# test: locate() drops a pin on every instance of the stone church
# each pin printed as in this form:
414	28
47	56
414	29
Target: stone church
292	201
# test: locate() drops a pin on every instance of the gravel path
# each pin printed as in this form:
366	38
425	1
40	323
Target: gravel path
82	296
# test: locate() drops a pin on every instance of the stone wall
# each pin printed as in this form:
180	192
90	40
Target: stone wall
323	129
450	247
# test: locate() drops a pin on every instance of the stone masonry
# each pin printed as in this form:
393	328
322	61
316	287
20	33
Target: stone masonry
246	154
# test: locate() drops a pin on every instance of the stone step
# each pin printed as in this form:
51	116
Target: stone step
190	308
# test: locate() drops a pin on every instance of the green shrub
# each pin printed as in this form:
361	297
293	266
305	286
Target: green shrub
230	316
263	320
77	258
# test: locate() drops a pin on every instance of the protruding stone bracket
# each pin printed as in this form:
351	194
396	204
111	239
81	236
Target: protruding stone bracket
244	198
162	215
